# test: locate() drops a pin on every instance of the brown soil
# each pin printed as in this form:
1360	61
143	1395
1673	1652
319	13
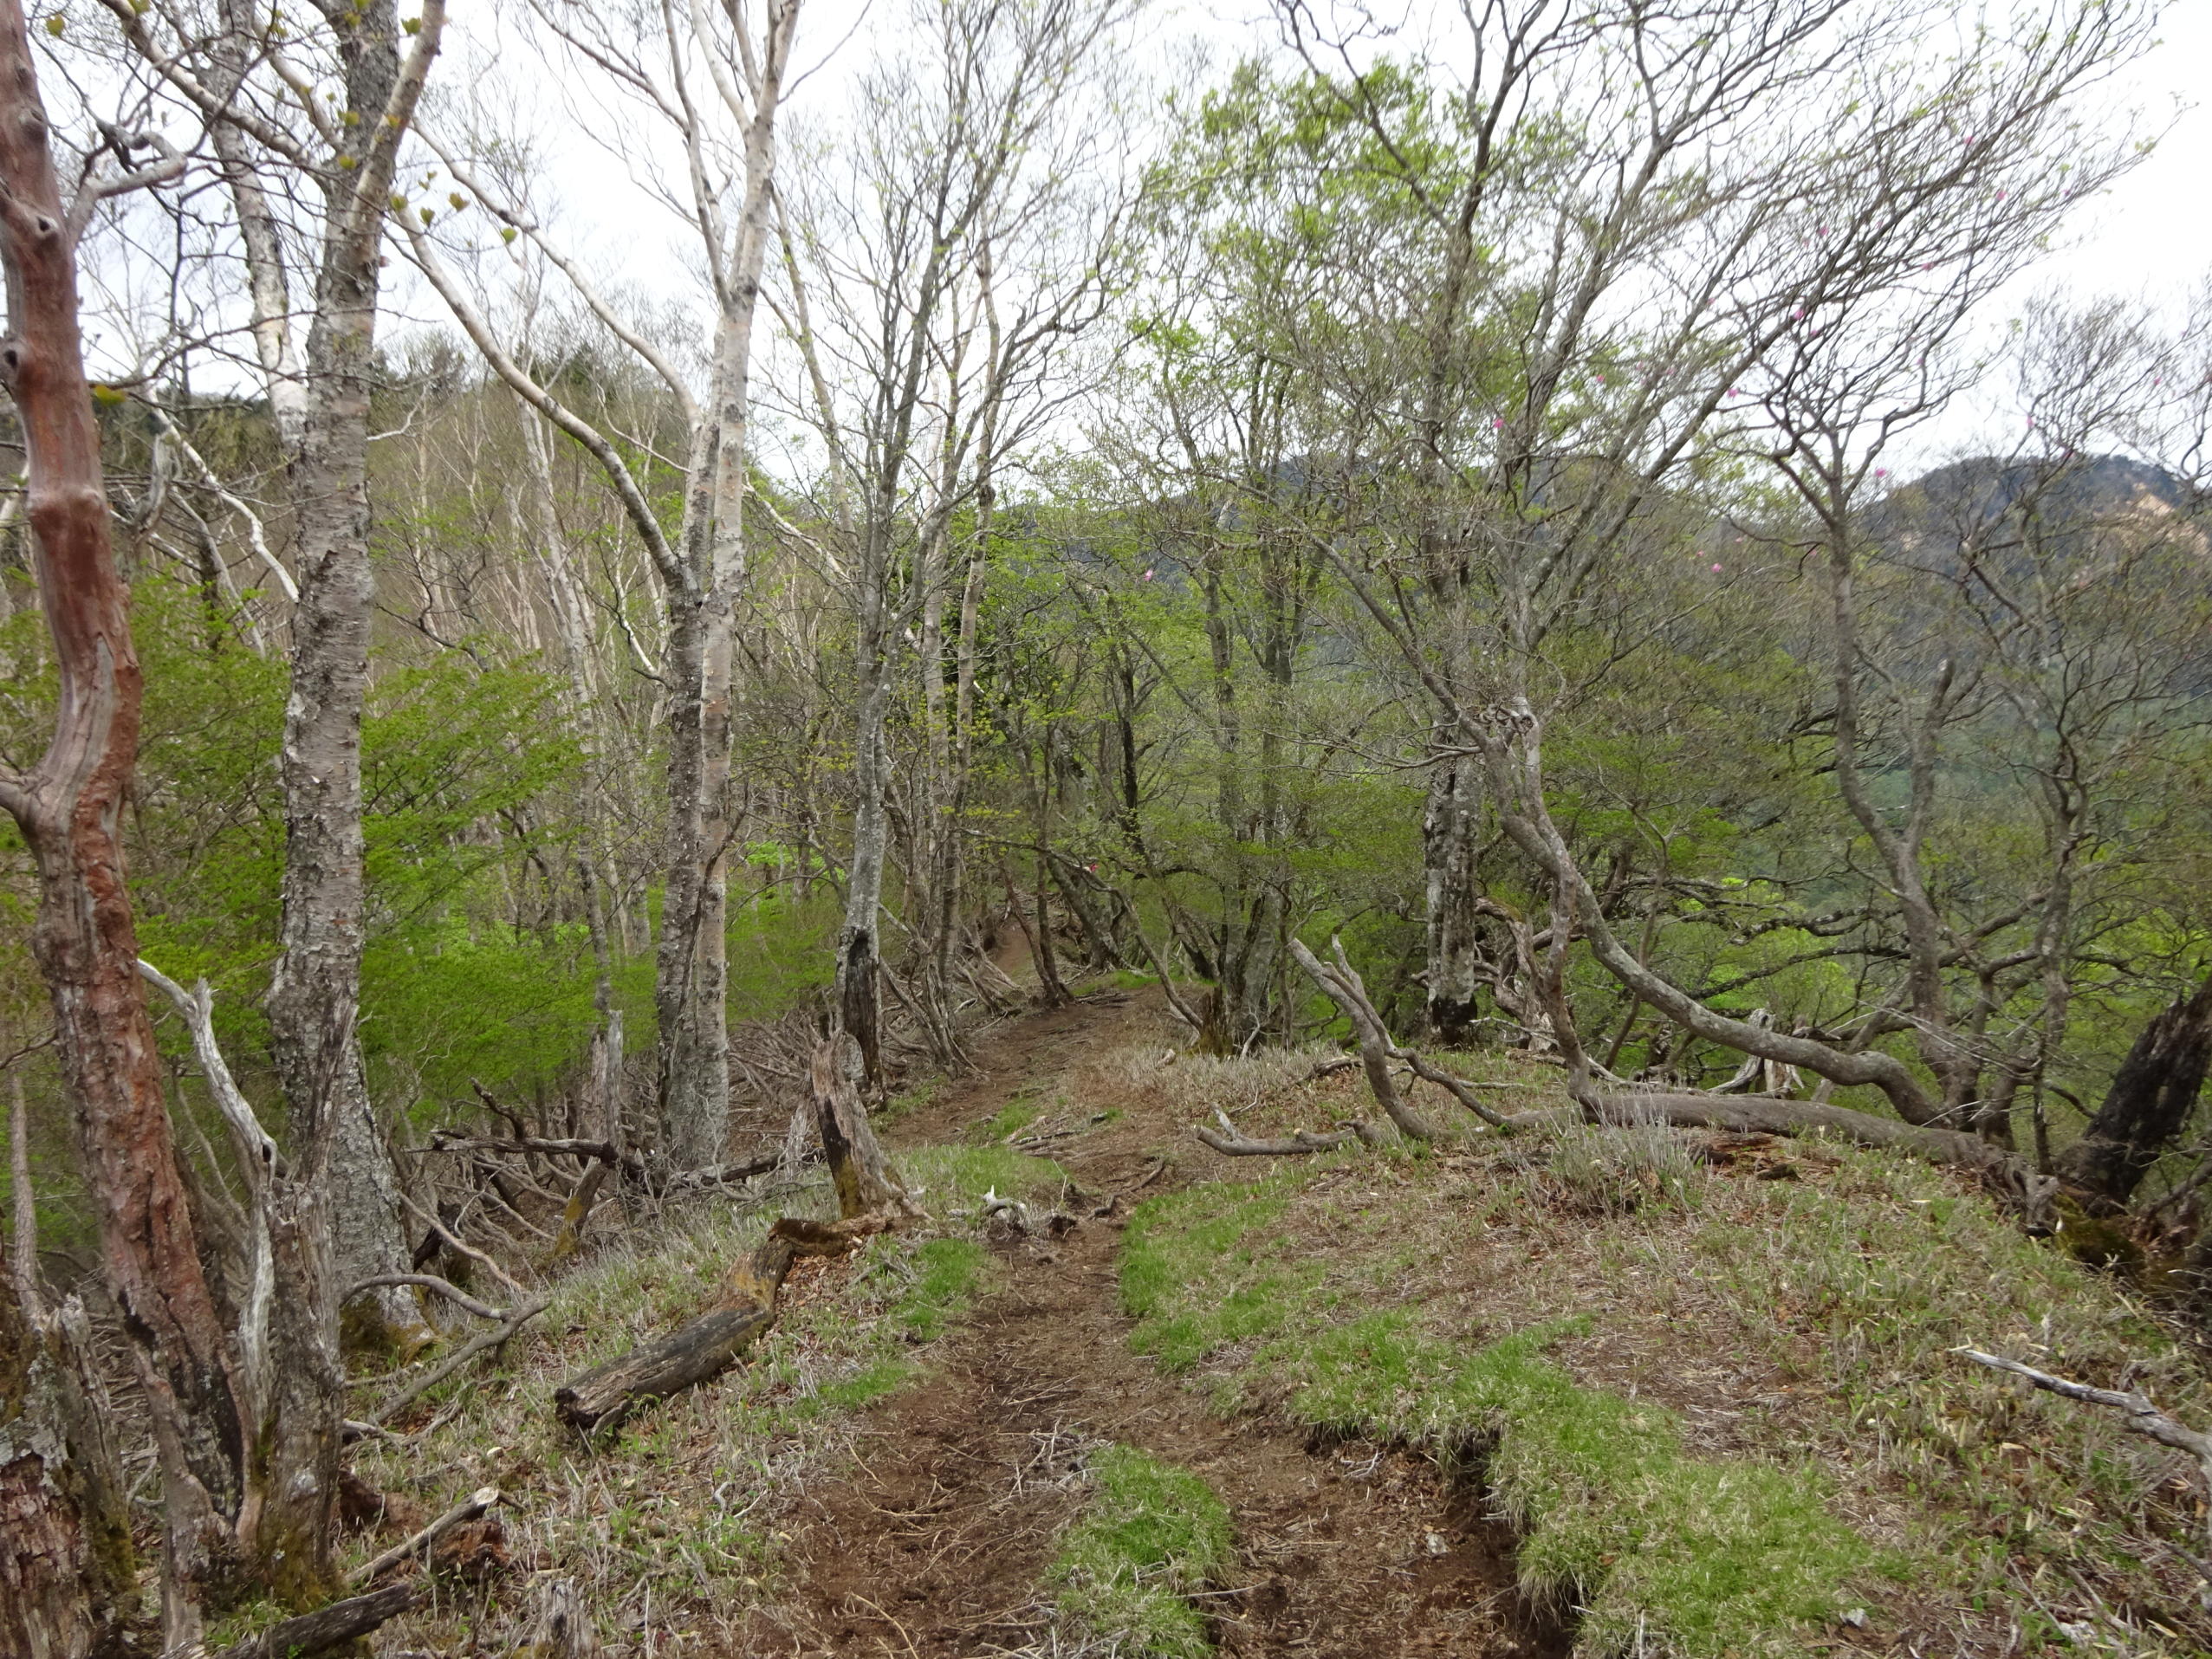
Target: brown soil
933	1546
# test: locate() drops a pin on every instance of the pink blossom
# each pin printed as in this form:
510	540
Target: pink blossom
1716	569
1147	576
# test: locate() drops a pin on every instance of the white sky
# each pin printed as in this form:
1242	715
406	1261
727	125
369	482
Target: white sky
2149	237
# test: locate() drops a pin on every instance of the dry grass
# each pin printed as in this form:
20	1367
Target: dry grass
672	1526
1801	1323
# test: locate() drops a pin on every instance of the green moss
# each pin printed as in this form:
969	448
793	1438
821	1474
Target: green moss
1152	1535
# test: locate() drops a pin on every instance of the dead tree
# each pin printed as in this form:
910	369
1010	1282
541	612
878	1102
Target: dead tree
866	1183
1342	984
2150	1098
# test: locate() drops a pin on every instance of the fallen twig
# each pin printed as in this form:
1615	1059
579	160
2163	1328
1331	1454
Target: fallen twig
467	1509
513	1323
2139	1415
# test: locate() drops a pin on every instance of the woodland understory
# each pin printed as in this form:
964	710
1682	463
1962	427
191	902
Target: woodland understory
594	599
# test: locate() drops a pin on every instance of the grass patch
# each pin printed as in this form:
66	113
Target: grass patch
951	1179
1698	1557
1008	1121
1151	1536
1722	1406
947	1271
1701	1555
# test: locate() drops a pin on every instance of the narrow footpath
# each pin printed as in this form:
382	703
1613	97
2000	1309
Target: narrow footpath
933	1546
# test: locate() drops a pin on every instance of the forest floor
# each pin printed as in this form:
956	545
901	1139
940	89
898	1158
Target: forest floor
935	1544
1568	1392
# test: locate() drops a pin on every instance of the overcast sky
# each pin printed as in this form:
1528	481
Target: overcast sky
2149	237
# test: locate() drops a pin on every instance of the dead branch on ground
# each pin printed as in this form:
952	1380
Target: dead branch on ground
708	1346
1230	1142
2137	1415
467	1509
492	1338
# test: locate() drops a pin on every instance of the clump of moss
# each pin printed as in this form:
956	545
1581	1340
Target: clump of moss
1151	1536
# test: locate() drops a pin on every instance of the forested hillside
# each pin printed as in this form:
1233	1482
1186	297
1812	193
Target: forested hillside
743	750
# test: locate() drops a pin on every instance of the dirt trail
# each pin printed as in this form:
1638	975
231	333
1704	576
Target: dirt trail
933	1548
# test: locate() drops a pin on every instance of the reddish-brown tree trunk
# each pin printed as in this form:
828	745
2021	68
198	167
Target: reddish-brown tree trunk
69	808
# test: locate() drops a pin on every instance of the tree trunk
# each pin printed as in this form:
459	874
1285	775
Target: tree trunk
691	990
334	1219
313	999
1449	831
858	996
2147	1106
690	983
85	940
866	1183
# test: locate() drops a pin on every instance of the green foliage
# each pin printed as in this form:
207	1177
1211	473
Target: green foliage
1150	1536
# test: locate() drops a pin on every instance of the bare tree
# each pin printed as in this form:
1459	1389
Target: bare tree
926	303
693	72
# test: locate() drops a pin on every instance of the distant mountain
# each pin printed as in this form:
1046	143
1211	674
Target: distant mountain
1970	497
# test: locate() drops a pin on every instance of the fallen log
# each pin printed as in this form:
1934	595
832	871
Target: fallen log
326	1627
1227	1141
710	1344
2032	1197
